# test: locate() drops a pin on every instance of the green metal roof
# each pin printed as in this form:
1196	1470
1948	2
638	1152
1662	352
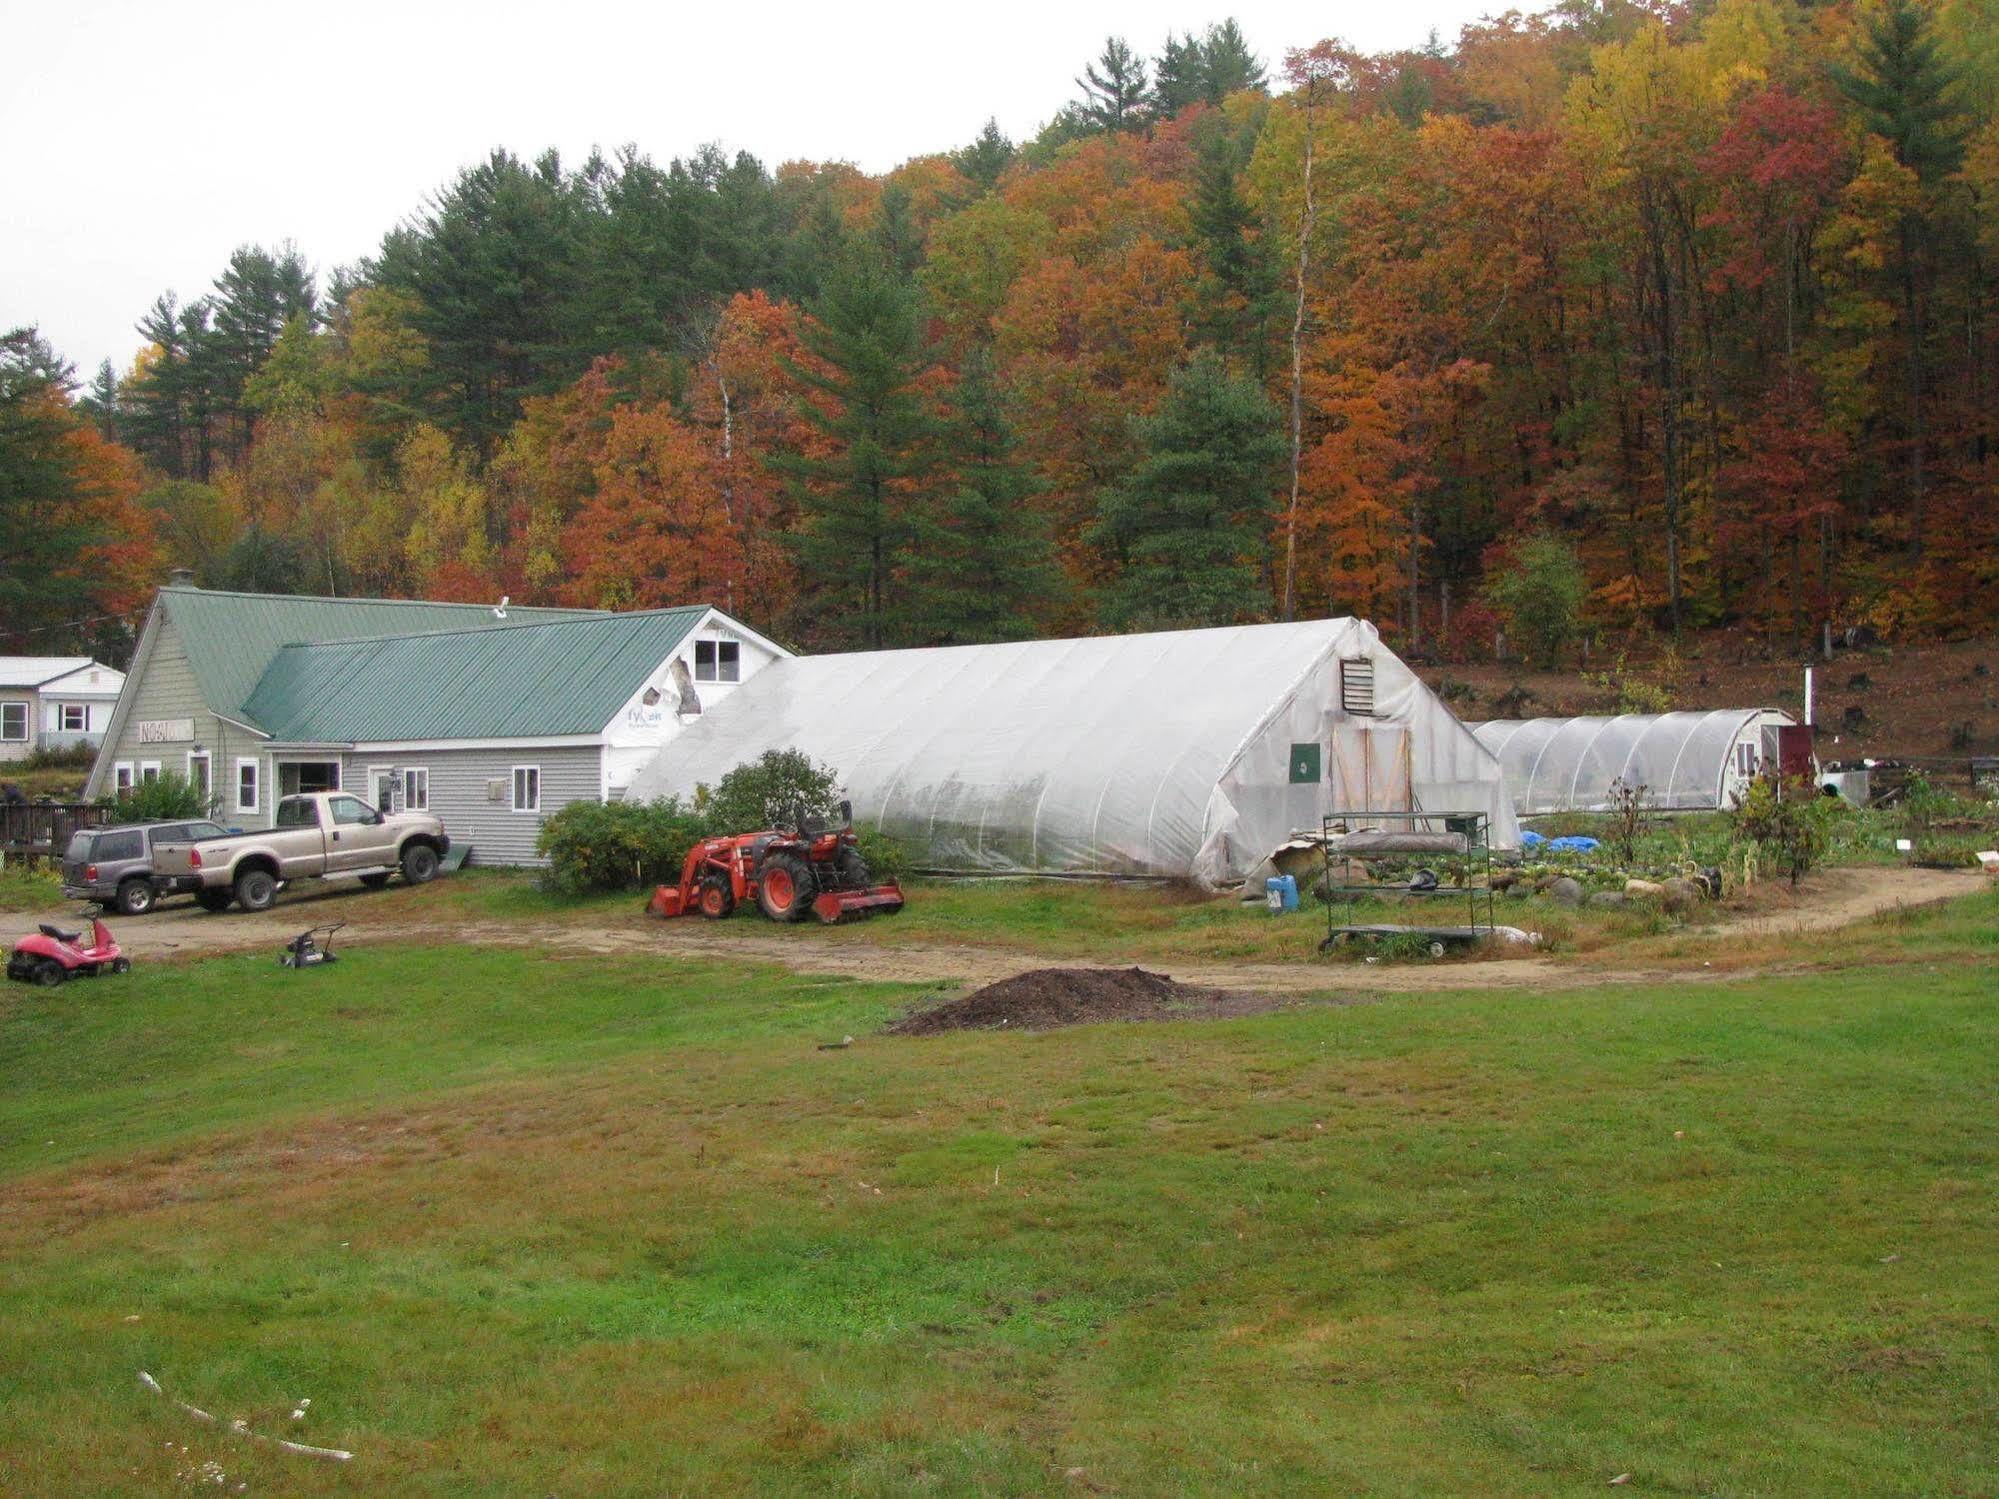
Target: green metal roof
231	637
497	681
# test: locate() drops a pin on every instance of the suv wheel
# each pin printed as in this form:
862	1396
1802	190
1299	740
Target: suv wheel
256	890
135	897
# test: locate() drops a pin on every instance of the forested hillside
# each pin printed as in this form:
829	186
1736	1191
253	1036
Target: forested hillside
1653	317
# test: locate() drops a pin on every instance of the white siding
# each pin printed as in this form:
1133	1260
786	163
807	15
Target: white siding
458	796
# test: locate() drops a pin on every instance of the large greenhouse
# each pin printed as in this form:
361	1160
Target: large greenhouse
1187	754
1687	762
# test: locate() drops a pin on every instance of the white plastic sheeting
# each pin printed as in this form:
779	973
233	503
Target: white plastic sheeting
1686	761
1161	754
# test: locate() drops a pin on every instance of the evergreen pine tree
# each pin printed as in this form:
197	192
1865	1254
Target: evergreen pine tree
1113	88
987	564
1903	90
1228	66
1236	293
100	402
255	296
1181	76
986	157
860	502
1190	521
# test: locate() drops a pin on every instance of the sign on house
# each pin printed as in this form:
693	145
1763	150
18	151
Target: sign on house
165	730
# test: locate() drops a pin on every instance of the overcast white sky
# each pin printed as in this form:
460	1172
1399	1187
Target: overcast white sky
142	140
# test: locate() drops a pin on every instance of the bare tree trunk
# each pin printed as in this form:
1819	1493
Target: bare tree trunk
1306	218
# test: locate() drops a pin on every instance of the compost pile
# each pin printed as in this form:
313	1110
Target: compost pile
1045	998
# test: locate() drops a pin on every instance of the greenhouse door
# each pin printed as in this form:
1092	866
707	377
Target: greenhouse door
1370	769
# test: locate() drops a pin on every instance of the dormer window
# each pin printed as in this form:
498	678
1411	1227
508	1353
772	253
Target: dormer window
718	661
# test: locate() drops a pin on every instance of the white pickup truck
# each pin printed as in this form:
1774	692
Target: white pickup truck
313	836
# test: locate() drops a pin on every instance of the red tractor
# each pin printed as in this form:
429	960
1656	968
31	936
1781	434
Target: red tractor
789	872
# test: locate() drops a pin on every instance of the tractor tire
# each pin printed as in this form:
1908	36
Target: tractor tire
213	901
49	974
852	870
419	863
256	890
786	887
715	899
376	880
135	897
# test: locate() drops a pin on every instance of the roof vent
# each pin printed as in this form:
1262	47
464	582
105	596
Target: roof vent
500	609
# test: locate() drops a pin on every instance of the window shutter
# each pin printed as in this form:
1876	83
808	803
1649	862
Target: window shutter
1357	686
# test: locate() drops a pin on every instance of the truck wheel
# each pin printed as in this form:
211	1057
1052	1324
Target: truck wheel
48	974
256	890
375	881
135	897
419	863
786	887
213	900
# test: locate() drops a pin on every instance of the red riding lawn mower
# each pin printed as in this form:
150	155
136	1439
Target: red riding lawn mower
790	873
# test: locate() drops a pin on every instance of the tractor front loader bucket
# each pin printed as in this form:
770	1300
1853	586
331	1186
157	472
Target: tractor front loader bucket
842	905
666	901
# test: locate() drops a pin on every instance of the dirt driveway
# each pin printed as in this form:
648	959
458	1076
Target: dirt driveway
1835	899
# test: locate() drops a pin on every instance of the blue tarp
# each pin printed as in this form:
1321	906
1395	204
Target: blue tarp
1574	843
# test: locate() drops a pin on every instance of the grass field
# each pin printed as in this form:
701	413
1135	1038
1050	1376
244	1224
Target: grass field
522	1224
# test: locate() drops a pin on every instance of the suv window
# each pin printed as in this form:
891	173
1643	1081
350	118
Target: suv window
166	832
78	851
350	809
108	848
198	832
298	812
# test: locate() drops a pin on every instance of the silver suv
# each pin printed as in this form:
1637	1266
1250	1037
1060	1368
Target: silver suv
114	866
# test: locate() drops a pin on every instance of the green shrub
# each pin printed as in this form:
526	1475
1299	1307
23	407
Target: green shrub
69	757
1540	593
593	846
766	793
1789	821
888	858
168	795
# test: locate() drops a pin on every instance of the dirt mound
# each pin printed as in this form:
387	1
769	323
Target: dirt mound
1044	998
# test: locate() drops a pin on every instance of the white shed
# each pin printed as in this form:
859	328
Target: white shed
1191	753
1687	762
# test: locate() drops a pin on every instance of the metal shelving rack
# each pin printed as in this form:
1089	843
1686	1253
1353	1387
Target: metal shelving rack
1475	828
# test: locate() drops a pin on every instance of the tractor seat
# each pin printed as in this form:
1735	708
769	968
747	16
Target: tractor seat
59	934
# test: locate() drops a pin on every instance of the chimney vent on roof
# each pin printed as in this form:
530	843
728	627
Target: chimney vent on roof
181	577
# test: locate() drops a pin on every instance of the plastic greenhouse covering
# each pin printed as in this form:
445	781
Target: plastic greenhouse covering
1190	753
1683	760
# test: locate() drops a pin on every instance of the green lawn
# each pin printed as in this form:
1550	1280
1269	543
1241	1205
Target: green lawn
533	1225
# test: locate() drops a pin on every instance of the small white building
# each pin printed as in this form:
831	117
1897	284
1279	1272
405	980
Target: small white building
1687	762
54	702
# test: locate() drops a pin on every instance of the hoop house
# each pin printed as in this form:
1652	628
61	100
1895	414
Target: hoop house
1687	762
1190	753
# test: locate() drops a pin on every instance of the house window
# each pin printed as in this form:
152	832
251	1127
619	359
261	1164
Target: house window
246	785
121	776
75	718
149	770
1357	686
718	661
14	722
303	777
416	790
198	775
527	788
